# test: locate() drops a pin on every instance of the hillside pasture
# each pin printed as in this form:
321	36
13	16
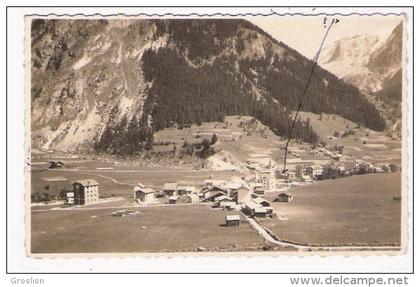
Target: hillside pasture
357	210
152	229
115	179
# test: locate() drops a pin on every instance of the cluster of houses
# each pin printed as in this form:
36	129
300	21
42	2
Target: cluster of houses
174	192
228	195
309	172
336	154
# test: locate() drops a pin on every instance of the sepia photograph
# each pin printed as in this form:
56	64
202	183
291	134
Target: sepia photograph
278	134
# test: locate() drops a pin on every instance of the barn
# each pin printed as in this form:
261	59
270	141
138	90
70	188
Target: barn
144	194
232	220
284	197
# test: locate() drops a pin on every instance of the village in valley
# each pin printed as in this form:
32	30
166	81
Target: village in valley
249	191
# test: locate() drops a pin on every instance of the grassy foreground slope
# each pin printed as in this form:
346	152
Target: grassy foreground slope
358	210
153	229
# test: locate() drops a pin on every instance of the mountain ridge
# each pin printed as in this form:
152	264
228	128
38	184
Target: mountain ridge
373	64
108	85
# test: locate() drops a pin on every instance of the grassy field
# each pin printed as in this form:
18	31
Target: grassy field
153	229
365	143
358	210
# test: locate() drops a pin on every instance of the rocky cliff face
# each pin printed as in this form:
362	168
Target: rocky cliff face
85	74
373	63
97	84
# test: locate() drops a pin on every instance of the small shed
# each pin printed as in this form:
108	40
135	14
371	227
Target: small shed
261	201
55	164
185	189
223	198
191	198
259	189
173	199
210	195
250	207
228	205
170	189
220	199
232	220
144	194
257	210
284	197
263	212
69	198
209	183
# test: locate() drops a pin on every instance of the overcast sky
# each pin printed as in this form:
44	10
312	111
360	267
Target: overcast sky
304	33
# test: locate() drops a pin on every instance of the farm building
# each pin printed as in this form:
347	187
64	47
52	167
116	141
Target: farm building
284	197
186	198
361	166
185	189
69	199
85	191
317	172
223	198
209	183
144	194
170	189
379	169
249	207
228	205
240	195
258	189
172	199
263	212
55	164
232	220
190	198
304	172
256	210
261	201
211	195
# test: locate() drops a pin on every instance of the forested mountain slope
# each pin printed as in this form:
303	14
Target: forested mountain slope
109	85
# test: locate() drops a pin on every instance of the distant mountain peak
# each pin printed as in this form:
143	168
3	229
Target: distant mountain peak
373	63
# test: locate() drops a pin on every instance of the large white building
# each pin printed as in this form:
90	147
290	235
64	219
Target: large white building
85	191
